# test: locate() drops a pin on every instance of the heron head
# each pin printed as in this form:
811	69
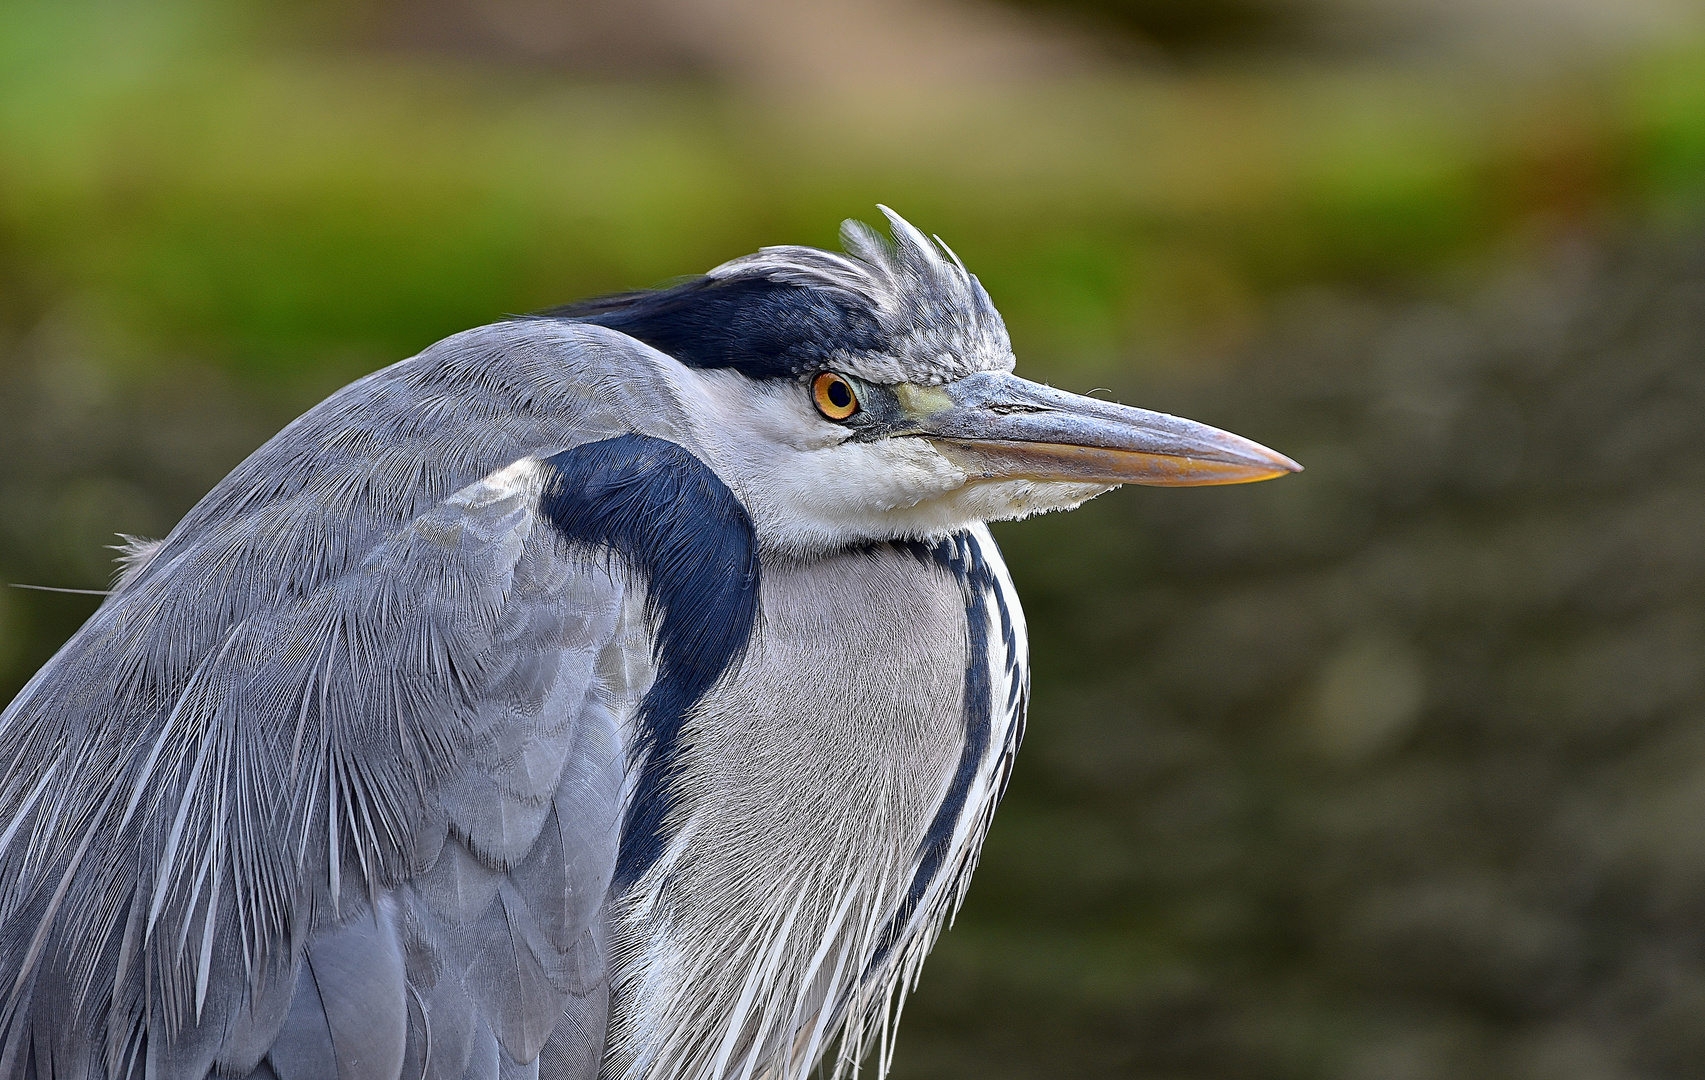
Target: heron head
870	396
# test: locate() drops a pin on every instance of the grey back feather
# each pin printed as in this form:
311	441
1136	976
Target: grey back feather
335	674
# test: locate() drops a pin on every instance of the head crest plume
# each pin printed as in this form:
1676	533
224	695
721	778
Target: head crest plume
936	322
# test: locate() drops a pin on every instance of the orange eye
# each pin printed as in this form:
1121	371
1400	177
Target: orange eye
834	396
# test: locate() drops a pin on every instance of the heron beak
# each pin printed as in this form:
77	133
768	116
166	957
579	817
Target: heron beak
997	426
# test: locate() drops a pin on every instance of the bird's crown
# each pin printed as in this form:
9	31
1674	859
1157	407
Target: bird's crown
904	310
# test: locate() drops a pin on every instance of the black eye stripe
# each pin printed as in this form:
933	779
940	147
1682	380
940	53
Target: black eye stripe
761	328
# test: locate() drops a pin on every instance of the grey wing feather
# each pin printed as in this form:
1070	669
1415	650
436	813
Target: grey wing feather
304	1049
317	782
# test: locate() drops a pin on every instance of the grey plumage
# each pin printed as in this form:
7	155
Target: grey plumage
499	717
410	698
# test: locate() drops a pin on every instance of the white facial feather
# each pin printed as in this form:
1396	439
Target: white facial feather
810	488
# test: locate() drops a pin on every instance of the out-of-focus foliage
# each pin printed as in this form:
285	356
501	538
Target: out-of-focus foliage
1387	770
1188	26
302	215
1395	772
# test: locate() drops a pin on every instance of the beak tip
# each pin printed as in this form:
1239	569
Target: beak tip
1272	463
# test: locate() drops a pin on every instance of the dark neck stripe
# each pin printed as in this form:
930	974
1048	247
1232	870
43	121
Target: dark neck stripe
960	556
671	519
762	328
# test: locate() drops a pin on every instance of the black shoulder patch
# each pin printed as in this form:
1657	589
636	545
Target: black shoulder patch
669	517
962	557
761	328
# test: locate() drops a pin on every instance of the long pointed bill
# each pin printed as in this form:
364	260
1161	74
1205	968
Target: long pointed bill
1000	427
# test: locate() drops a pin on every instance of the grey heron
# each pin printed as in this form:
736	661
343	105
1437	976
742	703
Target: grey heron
623	691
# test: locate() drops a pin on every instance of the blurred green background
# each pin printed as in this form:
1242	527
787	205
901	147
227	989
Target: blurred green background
1392	770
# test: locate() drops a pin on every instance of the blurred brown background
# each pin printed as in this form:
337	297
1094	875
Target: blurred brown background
1392	770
